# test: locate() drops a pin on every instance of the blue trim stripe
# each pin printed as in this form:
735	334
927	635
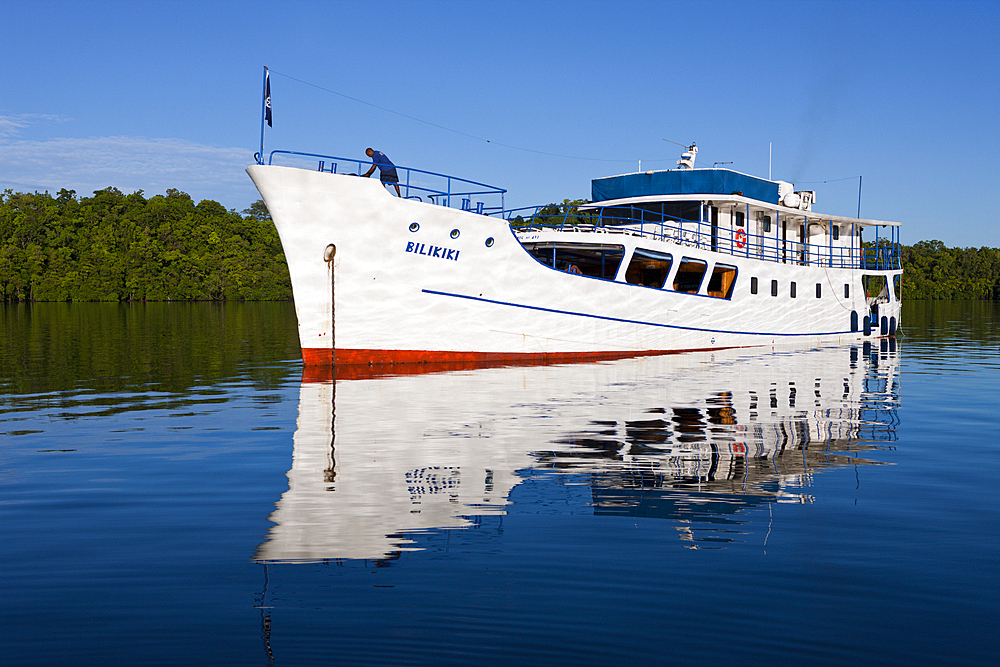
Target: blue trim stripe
625	321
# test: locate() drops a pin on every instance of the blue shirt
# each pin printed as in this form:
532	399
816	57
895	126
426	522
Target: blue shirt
384	164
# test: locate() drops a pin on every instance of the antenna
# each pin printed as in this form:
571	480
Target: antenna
859	196
677	144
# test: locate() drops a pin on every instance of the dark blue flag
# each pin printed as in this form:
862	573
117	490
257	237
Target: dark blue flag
267	98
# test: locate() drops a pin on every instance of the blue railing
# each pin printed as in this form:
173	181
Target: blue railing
440	189
882	258
702	234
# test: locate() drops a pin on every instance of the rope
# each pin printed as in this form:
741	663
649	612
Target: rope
449	129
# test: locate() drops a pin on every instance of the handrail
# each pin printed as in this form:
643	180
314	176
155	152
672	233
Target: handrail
701	234
633	220
466	188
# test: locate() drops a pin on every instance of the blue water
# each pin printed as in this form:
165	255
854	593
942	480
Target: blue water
173	492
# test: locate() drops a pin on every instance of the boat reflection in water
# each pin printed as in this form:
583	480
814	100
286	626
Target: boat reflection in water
699	439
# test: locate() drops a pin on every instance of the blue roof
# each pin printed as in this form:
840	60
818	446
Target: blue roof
684	182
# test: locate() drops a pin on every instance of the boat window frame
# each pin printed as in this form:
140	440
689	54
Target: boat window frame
665	259
578	263
689	261
722	270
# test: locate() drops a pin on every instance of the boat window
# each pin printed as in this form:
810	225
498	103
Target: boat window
597	260
722	282
819	290
875	287
690	273
651	212
739	218
764	221
648	267
836	232
774	288
847	291
896	286
753	285
791	290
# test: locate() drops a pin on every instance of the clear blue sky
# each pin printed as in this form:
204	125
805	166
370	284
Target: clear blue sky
157	95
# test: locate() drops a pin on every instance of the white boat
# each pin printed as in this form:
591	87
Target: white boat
661	261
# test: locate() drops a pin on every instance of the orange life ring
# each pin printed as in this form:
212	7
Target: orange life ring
741	238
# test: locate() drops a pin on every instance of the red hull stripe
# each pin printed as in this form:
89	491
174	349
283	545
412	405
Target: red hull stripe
314	356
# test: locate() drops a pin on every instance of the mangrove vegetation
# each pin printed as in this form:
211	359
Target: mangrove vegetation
118	247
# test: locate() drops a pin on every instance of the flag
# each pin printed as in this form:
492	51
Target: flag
267	98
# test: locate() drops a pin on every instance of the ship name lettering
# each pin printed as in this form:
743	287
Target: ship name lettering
432	251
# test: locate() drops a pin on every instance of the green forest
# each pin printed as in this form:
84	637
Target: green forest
118	247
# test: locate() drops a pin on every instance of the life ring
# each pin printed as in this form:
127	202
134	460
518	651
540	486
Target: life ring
741	238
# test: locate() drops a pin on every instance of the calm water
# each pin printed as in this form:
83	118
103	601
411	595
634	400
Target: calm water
173	492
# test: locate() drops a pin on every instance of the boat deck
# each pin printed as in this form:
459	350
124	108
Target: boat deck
882	255
841	245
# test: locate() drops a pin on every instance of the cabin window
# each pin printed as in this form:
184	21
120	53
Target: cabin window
648	267
764	220
836	232
791	289
740	218
690	273
874	286
819	290
597	260
753	285
667	212
774	288
847	291
722	282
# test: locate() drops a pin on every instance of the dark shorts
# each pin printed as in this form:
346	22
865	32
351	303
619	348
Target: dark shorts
389	176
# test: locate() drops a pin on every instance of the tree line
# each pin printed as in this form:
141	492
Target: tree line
117	247
933	271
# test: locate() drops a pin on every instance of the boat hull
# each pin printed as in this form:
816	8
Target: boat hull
378	279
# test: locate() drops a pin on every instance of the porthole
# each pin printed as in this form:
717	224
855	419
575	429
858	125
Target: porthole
489	242
414	226
455	233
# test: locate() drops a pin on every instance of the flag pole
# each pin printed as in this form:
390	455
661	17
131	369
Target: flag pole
264	102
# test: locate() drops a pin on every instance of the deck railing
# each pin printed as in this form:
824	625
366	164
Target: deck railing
444	190
418	184
738	241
